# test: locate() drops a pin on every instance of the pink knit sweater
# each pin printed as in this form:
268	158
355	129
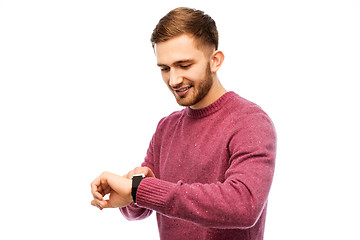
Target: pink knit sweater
214	167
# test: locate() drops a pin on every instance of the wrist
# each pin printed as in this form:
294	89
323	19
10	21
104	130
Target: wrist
123	188
128	193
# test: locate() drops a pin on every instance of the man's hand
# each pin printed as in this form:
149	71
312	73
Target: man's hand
140	170
118	187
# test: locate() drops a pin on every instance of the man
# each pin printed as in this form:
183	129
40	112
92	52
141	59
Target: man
209	167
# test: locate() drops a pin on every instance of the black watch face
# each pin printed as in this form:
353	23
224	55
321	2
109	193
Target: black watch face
136	180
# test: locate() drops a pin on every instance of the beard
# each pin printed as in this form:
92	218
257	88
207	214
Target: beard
197	92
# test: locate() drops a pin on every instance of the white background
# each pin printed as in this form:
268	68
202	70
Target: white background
80	93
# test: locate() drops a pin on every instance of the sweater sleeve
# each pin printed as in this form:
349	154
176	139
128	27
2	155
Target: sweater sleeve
239	200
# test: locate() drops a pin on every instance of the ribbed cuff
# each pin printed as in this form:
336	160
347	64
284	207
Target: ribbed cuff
154	194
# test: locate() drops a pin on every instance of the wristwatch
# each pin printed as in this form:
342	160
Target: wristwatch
136	179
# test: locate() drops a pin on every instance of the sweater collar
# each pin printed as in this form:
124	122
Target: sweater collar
212	108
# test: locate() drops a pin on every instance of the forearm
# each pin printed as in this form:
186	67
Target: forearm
220	205
236	202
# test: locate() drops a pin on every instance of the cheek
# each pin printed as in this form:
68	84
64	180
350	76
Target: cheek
165	77
196	74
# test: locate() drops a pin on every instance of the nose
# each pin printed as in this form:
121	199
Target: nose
175	79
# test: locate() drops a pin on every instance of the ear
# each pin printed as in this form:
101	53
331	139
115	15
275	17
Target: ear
216	59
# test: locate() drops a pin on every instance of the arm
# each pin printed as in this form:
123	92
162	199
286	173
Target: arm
236	202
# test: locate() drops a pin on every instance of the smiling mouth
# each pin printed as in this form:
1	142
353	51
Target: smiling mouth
181	92
183	89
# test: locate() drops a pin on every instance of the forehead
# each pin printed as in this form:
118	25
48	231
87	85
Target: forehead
178	49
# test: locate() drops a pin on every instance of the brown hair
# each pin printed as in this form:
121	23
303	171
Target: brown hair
186	21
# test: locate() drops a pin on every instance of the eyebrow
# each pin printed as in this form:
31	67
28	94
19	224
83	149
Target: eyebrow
177	62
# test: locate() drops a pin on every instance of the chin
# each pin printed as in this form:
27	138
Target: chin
183	102
187	101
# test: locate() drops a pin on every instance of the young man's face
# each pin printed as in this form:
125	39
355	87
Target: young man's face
185	69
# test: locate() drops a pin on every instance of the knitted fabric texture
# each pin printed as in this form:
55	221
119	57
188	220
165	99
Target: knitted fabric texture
214	168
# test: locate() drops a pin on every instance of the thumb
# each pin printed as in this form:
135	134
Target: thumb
106	204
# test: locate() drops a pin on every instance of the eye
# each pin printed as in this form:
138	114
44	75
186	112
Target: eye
164	69
185	66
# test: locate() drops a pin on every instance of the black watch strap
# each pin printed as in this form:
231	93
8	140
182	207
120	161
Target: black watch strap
136	179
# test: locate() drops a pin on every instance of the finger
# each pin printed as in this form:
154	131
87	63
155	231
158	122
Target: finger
96	189
105	187
130	174
139	170
106	204
144	170
103	204
95	204
102	190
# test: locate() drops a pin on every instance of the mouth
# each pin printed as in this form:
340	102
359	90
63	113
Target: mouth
183	91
